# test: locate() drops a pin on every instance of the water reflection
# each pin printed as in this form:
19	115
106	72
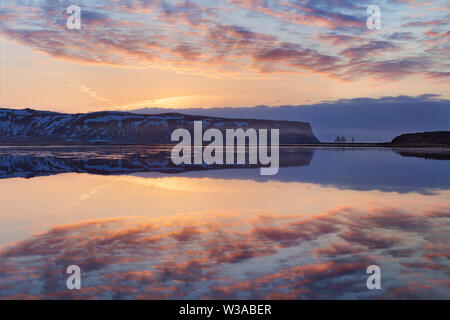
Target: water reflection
358	169
31	162
308	233
215	256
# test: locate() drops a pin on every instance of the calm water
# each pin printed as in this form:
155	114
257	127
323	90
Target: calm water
141	228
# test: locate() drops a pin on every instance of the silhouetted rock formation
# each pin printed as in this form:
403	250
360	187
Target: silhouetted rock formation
437	138
31	127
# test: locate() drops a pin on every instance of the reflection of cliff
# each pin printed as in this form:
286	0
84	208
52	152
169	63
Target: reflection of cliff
31	162
341	168
426	153
31	127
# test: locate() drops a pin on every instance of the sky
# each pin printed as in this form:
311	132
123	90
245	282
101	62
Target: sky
363	119
227	53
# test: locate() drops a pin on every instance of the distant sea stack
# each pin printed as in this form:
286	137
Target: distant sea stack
32	127
436	138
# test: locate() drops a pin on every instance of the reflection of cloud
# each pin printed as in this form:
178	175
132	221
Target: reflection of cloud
205	257
80	198
92	192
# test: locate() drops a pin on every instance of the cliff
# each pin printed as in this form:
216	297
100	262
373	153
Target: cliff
436	138
32	127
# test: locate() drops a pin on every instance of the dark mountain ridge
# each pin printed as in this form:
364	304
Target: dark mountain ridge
435	138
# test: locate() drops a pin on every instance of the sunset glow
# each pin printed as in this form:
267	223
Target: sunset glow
218	157
228	53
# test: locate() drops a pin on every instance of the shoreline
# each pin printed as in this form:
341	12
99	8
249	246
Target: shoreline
311	145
